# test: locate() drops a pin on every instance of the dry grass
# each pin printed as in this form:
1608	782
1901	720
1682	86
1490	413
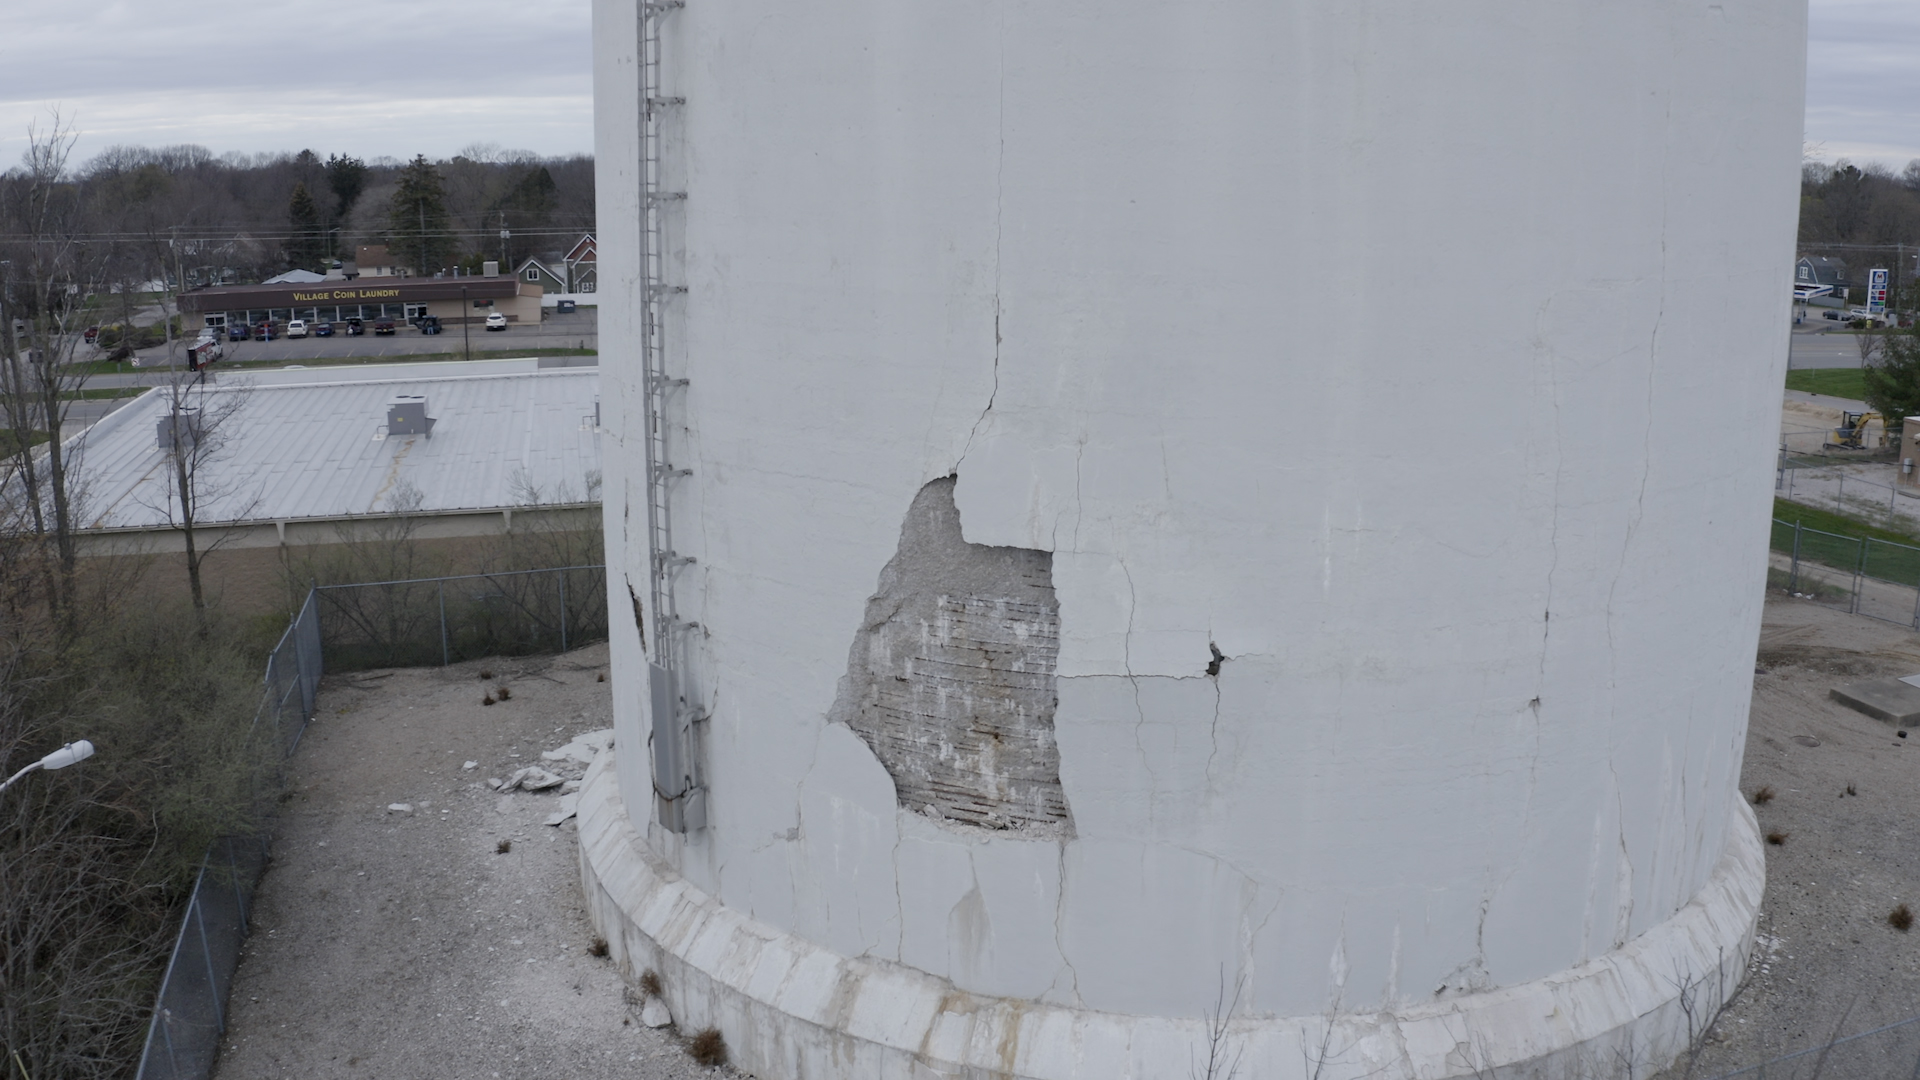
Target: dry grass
1777	839
597	947
1763	796
1901	918
502	692
650	982
708	1047
503	847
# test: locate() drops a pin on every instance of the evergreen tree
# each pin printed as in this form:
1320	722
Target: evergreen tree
346	177
305	242
419	231
1893	378
526	208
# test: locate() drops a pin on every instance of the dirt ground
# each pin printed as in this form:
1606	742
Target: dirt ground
1844	807
396	944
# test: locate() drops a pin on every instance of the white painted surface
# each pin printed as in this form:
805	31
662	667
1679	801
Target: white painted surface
1488	585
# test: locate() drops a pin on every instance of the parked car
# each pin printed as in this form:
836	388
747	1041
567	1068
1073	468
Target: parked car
383	326
237	331
297	328
91	335
263	332
323	329
496	321
563	306
1831	313
355	328
429	324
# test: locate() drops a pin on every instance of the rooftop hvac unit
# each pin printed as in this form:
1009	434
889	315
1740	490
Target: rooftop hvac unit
407	415
178	430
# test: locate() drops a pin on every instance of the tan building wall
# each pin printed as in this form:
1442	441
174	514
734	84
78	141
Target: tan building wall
264	568
524	308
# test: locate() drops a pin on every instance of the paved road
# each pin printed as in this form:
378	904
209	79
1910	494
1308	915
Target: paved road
1819	349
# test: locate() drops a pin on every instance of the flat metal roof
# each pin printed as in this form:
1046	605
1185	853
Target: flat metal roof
319	449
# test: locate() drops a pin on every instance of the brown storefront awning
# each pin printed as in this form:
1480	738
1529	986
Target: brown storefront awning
360	291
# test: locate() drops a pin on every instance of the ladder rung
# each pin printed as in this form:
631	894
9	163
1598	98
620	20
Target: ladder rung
666	196
665	290
660	102
660	7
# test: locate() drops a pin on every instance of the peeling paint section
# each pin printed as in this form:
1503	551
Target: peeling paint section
951	678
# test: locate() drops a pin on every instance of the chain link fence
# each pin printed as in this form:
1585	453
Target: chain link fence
1850	490
428	621
412	623
1859	574
189	1013
1891	1052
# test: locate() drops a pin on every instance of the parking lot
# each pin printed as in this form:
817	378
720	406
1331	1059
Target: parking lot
579	329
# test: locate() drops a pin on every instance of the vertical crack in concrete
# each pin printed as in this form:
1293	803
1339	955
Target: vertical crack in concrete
1060	924
999	216
1126	661
951	678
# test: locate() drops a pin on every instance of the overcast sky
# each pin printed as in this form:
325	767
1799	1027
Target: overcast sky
376	77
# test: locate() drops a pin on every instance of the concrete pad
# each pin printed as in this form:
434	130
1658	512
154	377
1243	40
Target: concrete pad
1894	700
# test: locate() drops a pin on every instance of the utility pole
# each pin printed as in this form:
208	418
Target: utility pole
466	323
504	234
421	204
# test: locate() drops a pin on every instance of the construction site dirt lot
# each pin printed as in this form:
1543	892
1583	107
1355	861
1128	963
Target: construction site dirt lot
398	944
1837	795
401	944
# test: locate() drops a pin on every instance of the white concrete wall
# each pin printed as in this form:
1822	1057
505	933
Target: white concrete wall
1423	357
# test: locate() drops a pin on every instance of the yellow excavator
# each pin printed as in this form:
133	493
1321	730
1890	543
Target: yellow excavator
1852	432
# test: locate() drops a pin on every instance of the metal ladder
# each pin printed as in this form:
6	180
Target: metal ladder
679	793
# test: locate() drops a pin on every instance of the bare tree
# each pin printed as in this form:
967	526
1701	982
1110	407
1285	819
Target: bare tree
47	273
195	436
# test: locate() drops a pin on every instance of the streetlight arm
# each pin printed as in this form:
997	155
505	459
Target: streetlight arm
69	754
18	775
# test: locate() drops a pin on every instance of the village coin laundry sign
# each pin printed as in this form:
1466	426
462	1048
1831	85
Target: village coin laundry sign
326	295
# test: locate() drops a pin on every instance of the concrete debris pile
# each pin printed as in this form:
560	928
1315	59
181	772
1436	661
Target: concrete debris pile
571	761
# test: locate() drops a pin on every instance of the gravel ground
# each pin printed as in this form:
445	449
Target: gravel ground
1844	804
401	944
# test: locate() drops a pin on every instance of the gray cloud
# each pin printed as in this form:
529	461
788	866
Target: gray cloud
431	76
1863	86
364	77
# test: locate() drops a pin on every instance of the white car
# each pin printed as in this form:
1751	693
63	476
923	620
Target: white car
297	328
496	321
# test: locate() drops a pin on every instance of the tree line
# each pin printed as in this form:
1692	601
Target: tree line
177	214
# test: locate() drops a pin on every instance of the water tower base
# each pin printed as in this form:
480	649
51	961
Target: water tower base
791	1009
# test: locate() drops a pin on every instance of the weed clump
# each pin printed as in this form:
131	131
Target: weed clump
488	700
650	982
708	1047
1901	918
503	847
485	675
597	947
1763	796
502	692
1777	839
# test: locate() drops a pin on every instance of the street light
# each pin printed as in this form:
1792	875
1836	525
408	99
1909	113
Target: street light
67	755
